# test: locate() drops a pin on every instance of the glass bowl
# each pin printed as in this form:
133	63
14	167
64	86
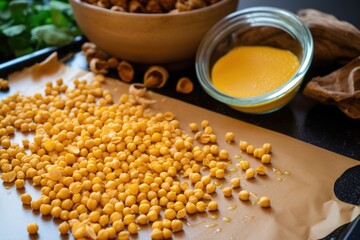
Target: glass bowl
257	26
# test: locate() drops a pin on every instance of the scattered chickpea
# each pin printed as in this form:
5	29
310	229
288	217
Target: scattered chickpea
264	202
124	235
227	191
249	173
167	233
20	183
229	137
243	145
259	152
266	158
104	167
267	147
205	123
64	227
156	234
193	127
32	228
132	228
212	206
244	165
244	195
261	170
235	182
26	198
250	149
220	173
176	225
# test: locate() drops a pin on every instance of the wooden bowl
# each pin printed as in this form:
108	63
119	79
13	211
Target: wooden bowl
166	38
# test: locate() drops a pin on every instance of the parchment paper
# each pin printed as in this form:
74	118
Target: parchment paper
299	182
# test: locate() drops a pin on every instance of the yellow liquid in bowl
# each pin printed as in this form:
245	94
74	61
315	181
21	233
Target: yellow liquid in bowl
250	71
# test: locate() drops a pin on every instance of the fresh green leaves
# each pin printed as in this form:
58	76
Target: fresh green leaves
26	26
51	35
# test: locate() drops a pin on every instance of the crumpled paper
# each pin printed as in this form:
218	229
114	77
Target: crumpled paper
341	88
337	42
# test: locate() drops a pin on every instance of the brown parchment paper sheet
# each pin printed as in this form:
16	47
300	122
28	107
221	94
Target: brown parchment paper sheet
299	181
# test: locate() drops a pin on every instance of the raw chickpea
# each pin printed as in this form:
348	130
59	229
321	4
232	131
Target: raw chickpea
264	202
169	214
190	208
124	235
267	147
266	158
235	182
250	149
132	228
176	225
167	233
20	183
229	137
212	206
261	170
32	228
244	195
244	165
220	173
210	188
243	145
156	234
227	191
64	228
250	173
26	198
193	127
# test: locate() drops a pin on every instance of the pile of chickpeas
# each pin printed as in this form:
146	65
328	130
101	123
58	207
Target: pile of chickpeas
106	167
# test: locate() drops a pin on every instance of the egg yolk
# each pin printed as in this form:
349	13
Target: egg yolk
250	71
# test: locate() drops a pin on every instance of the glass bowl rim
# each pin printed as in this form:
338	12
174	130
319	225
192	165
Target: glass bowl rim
288	21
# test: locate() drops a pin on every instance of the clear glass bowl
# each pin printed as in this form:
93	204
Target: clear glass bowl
257	26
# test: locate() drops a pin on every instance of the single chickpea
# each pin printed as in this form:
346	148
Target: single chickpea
20	183
26	198
243	145
64	227
212	206
267	147
244	195
266	158
244	165
205	123
235	182
167	233
229	137
249	173
193	127
176	225
261	170
133	228
156	234
210	188
227	191
124	235
32	228
220	173
250	149
264	202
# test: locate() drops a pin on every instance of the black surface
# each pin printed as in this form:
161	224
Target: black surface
347	186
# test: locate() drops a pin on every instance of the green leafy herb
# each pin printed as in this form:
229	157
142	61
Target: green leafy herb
27	26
